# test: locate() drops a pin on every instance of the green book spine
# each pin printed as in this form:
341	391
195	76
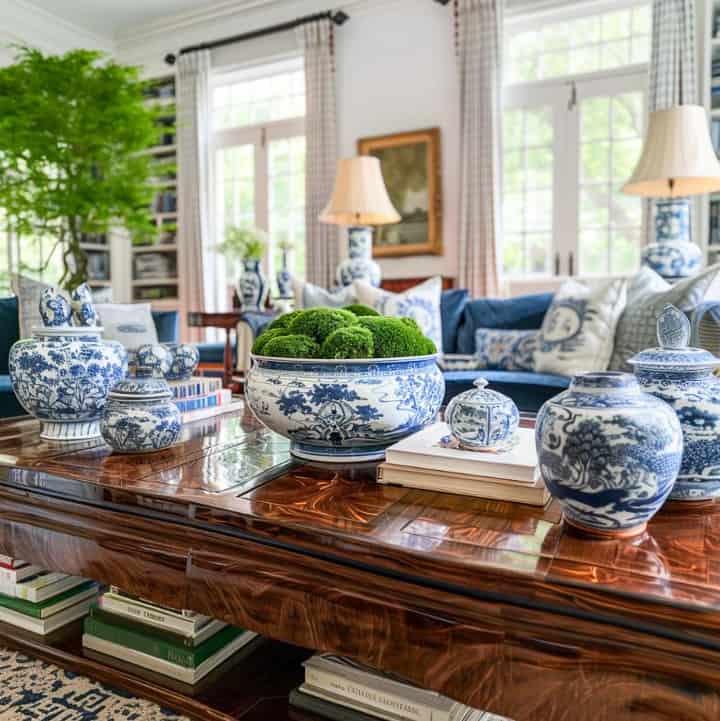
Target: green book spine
150	643
35	609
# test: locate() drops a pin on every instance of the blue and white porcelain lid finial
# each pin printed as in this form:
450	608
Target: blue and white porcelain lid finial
673	352
144	385
482	396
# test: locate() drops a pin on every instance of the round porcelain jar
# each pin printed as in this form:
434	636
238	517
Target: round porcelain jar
684	377
140	415
481	419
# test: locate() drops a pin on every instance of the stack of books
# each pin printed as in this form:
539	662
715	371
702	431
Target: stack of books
41	601
431	460
198	398
130	632
343	690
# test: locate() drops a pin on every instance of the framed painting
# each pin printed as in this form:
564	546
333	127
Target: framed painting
411	168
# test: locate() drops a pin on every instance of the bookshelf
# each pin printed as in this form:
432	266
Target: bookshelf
154	261
99	255
709	208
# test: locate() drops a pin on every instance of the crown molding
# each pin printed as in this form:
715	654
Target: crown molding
42	29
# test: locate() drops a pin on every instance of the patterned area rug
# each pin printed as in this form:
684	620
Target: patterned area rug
32	690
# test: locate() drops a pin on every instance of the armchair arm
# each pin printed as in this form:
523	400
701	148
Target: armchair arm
705	324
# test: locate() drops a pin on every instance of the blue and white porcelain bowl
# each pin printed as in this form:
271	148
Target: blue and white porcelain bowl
335	410
62	376
140	416
608	452
481	419
685	378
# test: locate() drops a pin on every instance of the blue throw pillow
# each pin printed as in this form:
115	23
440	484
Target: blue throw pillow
452	305
526	312
9	329
166	325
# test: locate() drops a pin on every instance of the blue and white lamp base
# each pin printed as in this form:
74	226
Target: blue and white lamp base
359	264
674	256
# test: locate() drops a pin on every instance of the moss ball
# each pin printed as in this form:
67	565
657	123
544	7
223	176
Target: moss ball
265	337
430	347
291	346
412	323
352	342
360	310
283	321
393	338
319	323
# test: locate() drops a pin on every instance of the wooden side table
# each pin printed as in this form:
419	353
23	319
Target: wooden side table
228	321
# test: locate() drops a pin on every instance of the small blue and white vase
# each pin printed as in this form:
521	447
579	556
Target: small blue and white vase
140	415
253	286
608	452
54	308
155	357
83	310
284	278
359	264
684	378
185	360
482	419
673	256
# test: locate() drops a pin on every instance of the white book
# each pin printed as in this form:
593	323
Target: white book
44	626
426	449
49	585
11	562
181	673
227	406
9	577
89	593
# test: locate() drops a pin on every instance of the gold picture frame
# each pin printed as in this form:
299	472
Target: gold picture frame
410	165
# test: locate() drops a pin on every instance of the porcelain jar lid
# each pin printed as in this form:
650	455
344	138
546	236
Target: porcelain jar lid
673	353
66	331
481	397
143	386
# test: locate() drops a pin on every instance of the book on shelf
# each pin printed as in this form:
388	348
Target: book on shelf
46	586
9	577
433	449
340	681
51	606
194	387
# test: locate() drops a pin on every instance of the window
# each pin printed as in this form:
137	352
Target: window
259	157
572	133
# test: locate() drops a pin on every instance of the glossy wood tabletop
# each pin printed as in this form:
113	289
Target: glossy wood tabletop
224	519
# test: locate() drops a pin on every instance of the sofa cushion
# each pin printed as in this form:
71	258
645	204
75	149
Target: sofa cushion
9	404
452	305
212	352
528	390
9	329
507	350
167	325
526	312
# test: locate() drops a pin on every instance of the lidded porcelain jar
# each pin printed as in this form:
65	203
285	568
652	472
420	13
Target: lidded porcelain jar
174	361
140	415
608	452
684	377
481	419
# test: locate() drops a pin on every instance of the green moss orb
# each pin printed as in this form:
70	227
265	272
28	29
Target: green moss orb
412	323
283	321
348	343
319	323
291	346
393	338
265	337
430	347
360	310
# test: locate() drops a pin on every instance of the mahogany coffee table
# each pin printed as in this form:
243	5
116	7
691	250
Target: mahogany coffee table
494	604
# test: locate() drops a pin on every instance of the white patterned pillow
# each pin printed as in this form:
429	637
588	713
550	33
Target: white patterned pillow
579	328
508	350
421	303
308	295
131	324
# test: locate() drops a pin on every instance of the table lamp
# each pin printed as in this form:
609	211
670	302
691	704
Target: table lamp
359	200
677	160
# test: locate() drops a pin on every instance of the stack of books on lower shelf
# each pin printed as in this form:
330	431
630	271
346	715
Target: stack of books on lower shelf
133	633
432	460
339	689
41	601
198	397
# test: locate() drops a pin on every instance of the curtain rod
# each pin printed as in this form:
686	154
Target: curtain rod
338	18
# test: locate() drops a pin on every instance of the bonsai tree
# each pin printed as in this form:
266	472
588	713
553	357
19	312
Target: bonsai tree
243	243
71	130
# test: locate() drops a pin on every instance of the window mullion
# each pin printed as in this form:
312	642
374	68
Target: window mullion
262	191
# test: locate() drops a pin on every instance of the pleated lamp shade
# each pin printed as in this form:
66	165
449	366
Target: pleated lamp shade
678	158
360	197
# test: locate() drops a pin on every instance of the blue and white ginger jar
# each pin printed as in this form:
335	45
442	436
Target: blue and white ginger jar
482	419
62	375
684	377
172	361
344	410
253	286
140	415
608	452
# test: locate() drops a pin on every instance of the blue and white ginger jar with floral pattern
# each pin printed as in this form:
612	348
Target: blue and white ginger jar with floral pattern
253	286
62	375
482	419
684	377
608	452
344	410
140	415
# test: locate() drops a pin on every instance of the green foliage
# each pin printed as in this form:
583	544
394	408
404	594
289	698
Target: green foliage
393	338
319	323
283	321
360	310
346	343
267	335
71	130
243	244
291	346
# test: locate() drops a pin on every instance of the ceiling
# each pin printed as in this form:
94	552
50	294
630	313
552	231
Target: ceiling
113	17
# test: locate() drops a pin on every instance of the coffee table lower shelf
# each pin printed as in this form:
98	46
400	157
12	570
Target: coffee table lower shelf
255	688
